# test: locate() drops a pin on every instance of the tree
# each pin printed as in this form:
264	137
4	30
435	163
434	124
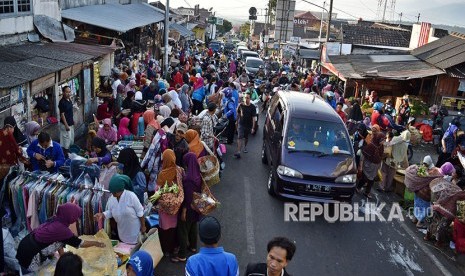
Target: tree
245	30
226	27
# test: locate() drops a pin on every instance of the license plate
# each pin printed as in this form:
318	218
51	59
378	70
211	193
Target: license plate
317	188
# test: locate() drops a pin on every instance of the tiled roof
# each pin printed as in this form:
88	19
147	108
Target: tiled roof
373	34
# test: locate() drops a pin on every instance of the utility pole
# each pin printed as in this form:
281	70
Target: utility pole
400	18
167	30
384	12
418	18
329	19
265	41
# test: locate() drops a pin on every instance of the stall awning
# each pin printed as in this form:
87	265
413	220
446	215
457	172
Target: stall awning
183	31
116	17
27	62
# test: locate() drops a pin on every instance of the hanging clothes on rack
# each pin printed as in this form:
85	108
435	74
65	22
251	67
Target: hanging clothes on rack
37	196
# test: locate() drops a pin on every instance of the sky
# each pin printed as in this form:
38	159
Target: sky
237	10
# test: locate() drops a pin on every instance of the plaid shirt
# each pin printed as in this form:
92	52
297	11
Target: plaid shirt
206	131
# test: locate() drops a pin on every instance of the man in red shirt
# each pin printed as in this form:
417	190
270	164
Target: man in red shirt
341	113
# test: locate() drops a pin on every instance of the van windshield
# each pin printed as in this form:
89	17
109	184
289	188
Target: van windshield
253	63
322	137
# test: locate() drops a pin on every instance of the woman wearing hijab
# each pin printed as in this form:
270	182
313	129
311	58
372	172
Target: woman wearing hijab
184	98
152	126
50	237
444	196
20	138
140	264
131	86
131	167
127	102
168	175
12	153
187	222
104	110
177	143
175	99
123	130
448	142
125	208
137	110
372	155
422	198
108	133
31	129
100	155
195	145
198	96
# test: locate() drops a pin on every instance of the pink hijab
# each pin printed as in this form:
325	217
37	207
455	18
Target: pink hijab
123	129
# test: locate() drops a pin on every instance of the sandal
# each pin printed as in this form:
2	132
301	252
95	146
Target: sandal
368	195
358	190
193	250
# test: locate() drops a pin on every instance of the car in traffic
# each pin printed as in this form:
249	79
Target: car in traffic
308	150
240	49
229	46
246	54
252	64
216	46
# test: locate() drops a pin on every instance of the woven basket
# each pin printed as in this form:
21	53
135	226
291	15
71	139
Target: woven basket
209	167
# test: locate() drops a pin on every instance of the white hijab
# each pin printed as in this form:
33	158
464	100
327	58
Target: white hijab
175	98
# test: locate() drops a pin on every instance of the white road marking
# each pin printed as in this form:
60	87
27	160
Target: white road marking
249	218
426	250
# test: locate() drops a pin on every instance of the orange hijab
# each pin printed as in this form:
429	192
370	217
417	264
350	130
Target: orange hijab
149	119
168	168
195	146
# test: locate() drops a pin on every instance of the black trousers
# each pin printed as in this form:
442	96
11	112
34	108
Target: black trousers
230	130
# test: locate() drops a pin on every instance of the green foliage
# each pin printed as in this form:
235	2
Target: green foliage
418	108
245	30
226	27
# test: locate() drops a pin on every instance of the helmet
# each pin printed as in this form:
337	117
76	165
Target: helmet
329	94
228	92
411	120
378	106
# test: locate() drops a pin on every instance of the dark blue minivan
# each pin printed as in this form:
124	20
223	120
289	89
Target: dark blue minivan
308	149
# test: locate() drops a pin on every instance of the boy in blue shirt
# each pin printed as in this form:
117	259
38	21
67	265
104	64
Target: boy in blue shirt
212	259
45	154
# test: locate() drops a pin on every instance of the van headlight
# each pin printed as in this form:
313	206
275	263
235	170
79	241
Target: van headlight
283	170
348	178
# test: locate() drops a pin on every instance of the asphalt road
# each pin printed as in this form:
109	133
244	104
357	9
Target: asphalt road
250	218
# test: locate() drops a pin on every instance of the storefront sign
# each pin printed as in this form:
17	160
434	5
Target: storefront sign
186	12
5	102
43	83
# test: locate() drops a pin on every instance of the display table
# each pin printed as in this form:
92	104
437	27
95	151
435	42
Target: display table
137	146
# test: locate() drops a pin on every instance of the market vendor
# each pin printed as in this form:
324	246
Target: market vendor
108	133
100	155
45	154
51	236
125	208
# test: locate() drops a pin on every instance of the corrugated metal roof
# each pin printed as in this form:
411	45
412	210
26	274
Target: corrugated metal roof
364	66
443	53
23	63
120	18
181	29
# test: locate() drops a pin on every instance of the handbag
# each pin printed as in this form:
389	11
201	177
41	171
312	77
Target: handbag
209	167
170	203
204	202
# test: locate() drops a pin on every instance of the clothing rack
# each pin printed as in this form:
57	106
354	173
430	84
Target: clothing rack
65	183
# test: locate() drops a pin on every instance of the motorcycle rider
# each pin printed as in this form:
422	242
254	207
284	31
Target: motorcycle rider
244	78
261	73
283	80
